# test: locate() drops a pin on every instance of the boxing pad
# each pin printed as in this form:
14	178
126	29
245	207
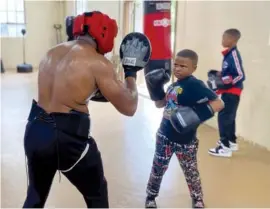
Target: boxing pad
135	52
69	27
216	81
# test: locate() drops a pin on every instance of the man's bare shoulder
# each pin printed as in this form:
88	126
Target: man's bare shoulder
57	51
102	65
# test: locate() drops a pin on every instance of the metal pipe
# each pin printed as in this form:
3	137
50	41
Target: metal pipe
24	49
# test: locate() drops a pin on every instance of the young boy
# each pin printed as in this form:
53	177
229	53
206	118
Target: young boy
188	102
233	76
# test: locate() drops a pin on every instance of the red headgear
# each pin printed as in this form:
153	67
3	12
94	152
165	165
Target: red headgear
99	26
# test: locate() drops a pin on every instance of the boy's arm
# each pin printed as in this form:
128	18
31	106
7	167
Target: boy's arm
160	103
186	118
208	97
216	105
237	67
207	103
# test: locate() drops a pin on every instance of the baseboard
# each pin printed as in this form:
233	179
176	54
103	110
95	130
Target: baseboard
14	69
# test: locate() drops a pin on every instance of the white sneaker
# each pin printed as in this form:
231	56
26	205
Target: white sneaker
234	146
150	203
220	151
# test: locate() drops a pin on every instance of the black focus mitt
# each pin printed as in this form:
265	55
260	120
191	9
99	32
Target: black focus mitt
135	52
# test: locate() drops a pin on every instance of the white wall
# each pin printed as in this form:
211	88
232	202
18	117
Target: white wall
40	18
115	10
200	27
69	8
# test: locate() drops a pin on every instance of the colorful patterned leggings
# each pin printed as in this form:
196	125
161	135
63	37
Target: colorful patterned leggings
187	156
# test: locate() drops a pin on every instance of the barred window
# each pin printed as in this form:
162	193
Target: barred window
80	6
12	17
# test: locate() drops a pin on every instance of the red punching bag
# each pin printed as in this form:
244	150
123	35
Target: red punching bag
157	27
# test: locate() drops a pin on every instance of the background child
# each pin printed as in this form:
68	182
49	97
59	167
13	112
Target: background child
188	102
233	76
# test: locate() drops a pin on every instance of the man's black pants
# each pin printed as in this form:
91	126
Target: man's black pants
226	118
59	141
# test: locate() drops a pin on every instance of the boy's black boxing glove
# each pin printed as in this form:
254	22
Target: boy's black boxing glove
98	97
216	81
155	80
135	52
185	119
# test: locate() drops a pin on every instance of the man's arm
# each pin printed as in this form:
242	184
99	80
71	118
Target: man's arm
210	96
123	96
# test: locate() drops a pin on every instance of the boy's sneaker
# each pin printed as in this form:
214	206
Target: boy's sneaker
150	203
221	151
234	146
197	203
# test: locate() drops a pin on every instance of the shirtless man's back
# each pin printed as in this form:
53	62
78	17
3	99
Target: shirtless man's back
66	77
57	133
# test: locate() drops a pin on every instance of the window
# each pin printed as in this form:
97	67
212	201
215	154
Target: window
12	18
80	6
138	16
173	19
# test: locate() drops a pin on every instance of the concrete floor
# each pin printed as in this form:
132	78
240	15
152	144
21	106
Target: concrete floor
127	146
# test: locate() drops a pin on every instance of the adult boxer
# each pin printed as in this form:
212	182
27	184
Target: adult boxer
57	132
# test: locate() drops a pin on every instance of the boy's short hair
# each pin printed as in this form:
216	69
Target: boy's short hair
188	53
234	33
